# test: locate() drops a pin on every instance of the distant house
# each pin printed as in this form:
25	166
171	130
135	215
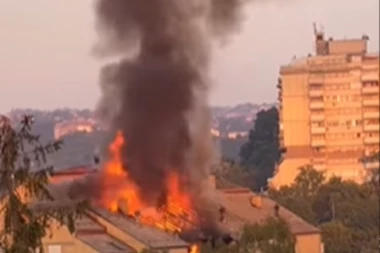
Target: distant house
101	231
65	128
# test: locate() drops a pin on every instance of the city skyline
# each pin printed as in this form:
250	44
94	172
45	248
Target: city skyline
47	62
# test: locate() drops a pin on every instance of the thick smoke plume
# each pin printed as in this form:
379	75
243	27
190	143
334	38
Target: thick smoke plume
157	93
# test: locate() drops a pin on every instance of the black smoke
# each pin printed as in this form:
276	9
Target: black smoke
156	92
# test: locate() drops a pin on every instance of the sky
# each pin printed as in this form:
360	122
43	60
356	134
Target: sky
46	60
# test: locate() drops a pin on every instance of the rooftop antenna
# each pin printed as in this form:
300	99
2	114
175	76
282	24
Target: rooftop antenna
318	32
315	29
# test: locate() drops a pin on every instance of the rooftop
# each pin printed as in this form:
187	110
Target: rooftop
95	236
104	243
239	210
150	236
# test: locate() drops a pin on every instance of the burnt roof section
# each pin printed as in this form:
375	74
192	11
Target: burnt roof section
149	236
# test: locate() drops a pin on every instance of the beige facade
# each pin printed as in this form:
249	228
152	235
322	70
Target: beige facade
329	110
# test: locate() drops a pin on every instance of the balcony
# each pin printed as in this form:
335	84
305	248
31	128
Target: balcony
372	102
371	165
371	140
316	93
316	79
372	76
317	105
371	115
318	142
370	90
372	128
318	130
317	117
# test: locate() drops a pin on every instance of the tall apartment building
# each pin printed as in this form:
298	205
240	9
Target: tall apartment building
329	110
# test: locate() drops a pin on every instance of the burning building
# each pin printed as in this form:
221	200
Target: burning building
104	230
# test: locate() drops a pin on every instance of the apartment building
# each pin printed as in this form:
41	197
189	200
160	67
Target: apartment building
329	110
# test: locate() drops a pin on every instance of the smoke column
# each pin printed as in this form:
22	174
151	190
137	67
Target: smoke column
157	92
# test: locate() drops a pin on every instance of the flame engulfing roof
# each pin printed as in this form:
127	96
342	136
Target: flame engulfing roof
238	210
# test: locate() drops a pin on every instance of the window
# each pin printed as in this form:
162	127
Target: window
55	248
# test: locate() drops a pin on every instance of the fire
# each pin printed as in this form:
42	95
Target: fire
194	249
119	192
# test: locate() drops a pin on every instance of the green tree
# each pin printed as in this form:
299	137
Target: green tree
235	173
300	196
23	166
346	212
337	238
262	150
271	236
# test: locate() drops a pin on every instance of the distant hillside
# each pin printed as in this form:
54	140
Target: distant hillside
239	118
231	122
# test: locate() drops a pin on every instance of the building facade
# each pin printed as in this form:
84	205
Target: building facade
329	110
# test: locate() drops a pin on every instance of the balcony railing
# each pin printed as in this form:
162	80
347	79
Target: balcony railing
316	93
371	115
316	105
371	140
317	116
318	130
372	102
372	127
371	165
370	90
316	79
318	142
373	76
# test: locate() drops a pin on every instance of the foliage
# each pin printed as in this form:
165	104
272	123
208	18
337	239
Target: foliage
272	236
261	152
23	179
234	173
346	212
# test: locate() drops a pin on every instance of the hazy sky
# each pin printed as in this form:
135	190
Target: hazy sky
45	58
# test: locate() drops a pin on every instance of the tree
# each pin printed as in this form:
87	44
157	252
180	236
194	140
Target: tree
262	151
234	173
271	236
337	238
23	179
346	212
299	197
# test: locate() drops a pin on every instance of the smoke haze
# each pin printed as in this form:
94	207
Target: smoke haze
157	93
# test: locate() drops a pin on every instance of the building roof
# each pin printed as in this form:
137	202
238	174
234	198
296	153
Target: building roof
149	236
104	243
72	171
240	211
95	236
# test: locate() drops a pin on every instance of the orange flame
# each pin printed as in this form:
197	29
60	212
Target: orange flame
176	215
195	249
